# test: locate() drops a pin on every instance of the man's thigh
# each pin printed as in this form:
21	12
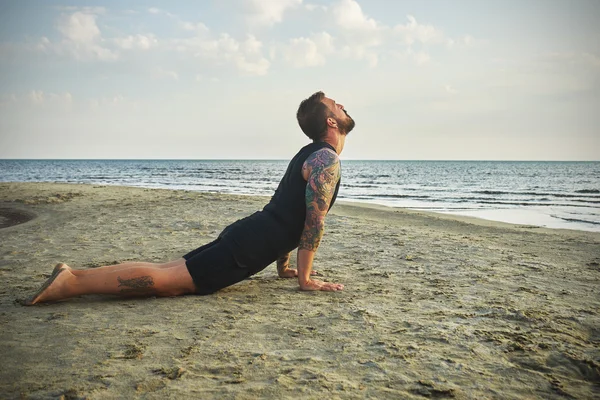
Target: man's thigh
214	268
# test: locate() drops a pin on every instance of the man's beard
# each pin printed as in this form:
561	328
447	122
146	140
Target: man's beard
346	125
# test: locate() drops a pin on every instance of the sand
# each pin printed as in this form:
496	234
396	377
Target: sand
435	306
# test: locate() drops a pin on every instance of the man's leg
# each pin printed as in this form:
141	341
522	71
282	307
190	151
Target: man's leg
128	279
116	267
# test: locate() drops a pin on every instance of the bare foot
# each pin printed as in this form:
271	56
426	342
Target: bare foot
60	266
53	288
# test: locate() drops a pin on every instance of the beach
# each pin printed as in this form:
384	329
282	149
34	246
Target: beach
434	306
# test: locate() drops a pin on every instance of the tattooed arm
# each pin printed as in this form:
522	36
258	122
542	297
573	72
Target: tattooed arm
322	173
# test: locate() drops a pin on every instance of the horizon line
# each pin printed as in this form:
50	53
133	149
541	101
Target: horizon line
283	159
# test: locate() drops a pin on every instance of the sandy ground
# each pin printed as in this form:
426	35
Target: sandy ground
435	306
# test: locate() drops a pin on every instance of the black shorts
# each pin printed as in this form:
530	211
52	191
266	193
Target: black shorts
213	267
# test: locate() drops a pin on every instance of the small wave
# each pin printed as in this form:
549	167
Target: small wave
586	201
532	203
585	221
563	195
358	186
399	196
589	191
492	192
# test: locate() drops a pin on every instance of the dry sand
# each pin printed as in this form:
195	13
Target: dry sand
435	306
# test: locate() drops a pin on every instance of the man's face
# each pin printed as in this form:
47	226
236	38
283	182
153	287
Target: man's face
344	121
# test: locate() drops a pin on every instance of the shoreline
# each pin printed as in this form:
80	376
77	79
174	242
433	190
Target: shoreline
470	215
434	305
530	216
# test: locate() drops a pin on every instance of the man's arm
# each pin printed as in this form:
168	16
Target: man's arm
322	172
284	270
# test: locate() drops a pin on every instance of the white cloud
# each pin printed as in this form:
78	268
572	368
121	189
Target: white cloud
360	36
79	27
258	67
44	44
414	32
199	27
40	99
36	97
81	38
114	105
372	59
464	41
245	56
309	52
87	10
357	36
252	45
158	11
269	12
363	38
348	14
360	52
450	90
143	42
420	57
313	7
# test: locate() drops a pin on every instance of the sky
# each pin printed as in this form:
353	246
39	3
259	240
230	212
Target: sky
222	79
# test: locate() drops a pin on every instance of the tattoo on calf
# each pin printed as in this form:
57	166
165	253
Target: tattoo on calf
324	173
143	284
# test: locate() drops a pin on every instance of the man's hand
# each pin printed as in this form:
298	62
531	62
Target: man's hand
314	284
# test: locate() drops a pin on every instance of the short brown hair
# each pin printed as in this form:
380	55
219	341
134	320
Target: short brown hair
312	116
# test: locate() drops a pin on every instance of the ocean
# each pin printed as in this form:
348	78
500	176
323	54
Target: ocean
550	194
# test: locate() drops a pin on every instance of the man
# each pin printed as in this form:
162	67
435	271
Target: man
295	217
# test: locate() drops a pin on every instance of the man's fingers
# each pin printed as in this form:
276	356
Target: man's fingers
324	286
332	287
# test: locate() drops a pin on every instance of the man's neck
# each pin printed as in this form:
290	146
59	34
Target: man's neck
335	139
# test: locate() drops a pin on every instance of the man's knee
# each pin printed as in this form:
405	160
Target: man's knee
175	281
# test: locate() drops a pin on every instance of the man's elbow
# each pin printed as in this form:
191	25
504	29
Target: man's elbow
317	226
311	237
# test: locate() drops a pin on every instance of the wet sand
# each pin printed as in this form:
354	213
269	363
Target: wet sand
435	306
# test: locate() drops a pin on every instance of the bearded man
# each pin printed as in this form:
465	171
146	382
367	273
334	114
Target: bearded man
294	218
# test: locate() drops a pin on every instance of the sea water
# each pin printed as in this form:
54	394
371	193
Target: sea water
551	194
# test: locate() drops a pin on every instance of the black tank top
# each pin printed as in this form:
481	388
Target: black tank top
258	240
288	204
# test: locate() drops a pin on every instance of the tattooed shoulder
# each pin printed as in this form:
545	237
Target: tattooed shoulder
322	161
